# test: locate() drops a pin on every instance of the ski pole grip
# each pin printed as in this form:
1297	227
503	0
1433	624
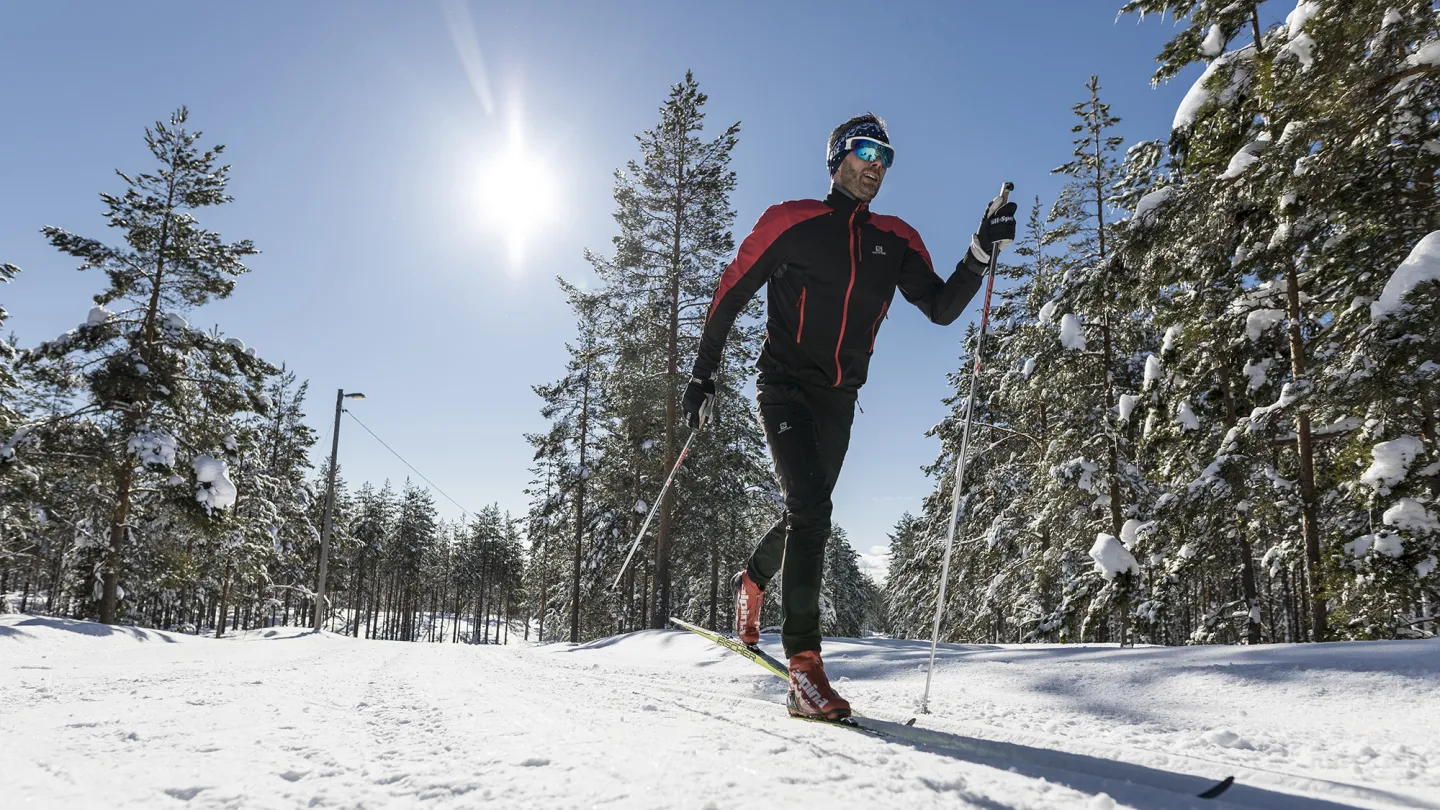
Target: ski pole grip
1005	189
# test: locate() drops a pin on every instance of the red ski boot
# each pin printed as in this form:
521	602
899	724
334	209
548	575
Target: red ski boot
748	597
810	694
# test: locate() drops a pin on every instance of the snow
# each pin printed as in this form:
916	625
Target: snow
1344	424
1301	47
1047	312
1240	163
236	343
1410	515
1422	265
7	450
1426	567
153	448
1392	463
1194	99
98	316
1152	201
1387	543
641	507
1127	405
1172	333
1295	20
1071	335
1186	417
1111	557
123	718
1081	467
215	490
1392	17
1029	368
1257	372
1132	530
1428	55
1198	95
1186	551
1214	43
176	323
1154	371
1259	321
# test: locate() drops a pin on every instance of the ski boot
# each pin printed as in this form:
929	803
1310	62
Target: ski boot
748	597
811	697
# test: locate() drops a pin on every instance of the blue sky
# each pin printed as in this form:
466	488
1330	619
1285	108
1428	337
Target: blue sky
360	148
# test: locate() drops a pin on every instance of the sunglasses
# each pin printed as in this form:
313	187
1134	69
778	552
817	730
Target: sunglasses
871	150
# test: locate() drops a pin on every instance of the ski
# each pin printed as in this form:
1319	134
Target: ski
734	645
855	721
859	722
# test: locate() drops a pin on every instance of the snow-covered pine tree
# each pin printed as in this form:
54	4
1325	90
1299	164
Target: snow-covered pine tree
846	592
573	404
139	363
1353	180
272	513
1327	185
370	525
674	211
1095	476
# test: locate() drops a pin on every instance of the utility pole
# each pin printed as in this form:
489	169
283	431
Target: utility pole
320	608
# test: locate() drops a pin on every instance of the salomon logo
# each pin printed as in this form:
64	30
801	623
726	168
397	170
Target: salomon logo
878	251
784	426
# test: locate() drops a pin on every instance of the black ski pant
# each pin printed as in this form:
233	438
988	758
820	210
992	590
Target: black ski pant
808	429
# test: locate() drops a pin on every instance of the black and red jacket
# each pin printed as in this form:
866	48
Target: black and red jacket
833	268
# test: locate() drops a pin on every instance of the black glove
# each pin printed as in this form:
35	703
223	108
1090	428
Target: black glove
996	231
699	401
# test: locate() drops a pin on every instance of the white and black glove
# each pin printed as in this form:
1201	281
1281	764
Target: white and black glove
699	401
996	231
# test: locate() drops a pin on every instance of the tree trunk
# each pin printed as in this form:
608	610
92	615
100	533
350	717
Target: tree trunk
109	600
580	510
714	579
1310	507
224	598
672	368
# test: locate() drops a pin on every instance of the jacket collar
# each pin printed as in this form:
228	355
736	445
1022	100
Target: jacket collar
844	204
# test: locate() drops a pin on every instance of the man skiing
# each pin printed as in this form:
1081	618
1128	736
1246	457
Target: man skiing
832	267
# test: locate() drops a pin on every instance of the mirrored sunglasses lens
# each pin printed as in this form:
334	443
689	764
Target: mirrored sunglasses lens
870	151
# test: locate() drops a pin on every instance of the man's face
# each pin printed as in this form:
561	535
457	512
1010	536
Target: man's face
859	178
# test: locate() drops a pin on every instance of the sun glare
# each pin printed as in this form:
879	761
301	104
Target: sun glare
517	189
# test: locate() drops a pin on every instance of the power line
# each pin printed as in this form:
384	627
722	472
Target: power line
406	463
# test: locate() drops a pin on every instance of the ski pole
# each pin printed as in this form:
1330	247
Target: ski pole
684	451
960	462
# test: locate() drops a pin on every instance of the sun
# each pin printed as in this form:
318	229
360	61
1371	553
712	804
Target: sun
518	194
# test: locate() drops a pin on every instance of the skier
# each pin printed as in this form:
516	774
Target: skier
832	267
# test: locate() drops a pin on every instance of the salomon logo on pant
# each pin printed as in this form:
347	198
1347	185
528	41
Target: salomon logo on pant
784	426
878	251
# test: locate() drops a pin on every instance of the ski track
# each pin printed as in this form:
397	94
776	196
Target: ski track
93	717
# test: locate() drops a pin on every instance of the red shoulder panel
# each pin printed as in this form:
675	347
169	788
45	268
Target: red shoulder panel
901	228
776	220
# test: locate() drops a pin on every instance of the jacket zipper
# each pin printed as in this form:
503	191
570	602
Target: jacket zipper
875	327
845	312
801	307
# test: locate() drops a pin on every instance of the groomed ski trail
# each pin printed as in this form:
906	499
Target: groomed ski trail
655	719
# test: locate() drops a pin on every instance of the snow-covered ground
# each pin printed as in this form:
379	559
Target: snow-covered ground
93	716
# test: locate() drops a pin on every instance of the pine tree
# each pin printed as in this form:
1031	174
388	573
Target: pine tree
845	590
675	215
150	378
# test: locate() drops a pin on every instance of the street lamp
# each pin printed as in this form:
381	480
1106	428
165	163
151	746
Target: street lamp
320	611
